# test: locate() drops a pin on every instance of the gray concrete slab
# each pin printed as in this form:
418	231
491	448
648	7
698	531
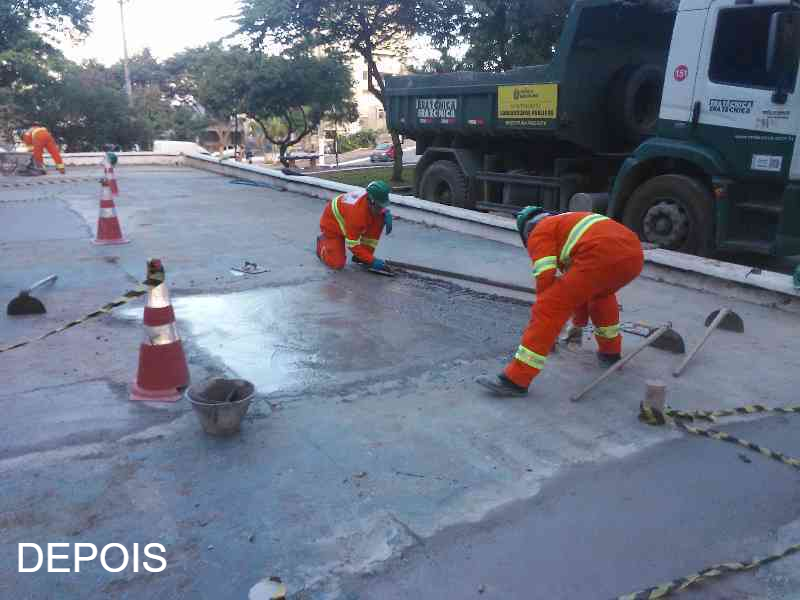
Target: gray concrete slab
368	440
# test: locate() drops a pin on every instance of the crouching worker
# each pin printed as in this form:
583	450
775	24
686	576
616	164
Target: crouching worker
355	221
597	257
38	139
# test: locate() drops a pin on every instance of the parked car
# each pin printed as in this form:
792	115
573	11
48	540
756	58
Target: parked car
226	152
382	153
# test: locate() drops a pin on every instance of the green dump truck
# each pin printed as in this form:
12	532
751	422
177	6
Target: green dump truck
679	121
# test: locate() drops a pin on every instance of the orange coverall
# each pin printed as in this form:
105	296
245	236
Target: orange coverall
598	257
37	139
348	221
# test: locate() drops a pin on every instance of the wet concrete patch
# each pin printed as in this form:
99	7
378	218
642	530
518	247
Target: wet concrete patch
330	334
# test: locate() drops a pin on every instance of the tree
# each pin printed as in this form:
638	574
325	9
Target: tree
145	70
502	34
16	17
289	91
283	95
364	27
28	62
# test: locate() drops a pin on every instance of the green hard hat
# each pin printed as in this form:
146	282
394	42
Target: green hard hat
527	219
527	214
378	192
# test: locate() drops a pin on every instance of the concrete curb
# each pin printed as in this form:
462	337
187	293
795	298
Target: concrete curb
726	279
84	159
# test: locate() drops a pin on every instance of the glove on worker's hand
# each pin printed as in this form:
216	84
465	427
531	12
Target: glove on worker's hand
377	263
387	221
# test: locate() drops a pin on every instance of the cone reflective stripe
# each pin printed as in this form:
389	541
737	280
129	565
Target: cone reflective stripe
163	372
108	229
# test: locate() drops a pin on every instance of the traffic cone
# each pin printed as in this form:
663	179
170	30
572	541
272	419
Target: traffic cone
108	175
108	229
163	372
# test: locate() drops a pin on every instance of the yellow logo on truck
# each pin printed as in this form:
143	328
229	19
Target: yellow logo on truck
527	102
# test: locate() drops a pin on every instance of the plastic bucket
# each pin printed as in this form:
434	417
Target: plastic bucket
220	404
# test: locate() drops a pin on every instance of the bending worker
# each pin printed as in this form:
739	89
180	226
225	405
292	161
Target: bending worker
355	221
37	138
597	257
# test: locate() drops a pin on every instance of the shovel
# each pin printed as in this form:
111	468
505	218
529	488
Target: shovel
664	338
723	318
25	304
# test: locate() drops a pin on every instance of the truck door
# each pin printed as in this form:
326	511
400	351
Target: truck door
745	107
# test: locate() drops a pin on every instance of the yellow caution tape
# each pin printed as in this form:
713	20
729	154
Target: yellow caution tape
678	585
48	181
155	277
652	416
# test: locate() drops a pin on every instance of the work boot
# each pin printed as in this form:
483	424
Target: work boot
607	360
501	386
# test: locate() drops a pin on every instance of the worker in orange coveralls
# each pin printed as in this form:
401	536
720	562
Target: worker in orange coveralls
597	257
38	138
355	221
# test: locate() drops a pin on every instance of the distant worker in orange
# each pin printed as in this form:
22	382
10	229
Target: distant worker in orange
38	138
355	221
597	257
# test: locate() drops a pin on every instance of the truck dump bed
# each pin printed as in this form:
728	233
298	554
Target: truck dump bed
584	96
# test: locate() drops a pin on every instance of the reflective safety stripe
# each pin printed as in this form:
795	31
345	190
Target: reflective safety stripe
372	243
351	243
338	215
161	335
530	358
609	332
575	235
107	213
544	264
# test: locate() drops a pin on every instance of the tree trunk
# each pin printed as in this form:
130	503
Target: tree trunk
283	159
397	172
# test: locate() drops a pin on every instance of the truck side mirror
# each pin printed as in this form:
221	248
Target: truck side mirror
783	49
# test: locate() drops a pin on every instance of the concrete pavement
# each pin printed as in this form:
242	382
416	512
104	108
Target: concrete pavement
370	466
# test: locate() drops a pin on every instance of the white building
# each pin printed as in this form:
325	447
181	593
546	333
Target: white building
370	110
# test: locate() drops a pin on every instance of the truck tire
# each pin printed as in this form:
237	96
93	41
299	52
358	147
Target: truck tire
673	211
635	101
444	183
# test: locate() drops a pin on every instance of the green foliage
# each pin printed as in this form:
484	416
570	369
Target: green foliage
16	17
282	94
502	34
366	138
352	26
145	71
444	64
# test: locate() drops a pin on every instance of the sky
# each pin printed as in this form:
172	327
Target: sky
164	26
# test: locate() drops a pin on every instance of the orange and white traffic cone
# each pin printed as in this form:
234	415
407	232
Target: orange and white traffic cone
108	175
108	229
163	372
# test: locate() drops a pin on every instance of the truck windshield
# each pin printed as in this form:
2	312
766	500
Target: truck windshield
739	56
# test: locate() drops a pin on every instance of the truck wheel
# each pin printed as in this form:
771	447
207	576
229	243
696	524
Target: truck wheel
674	212
635	101
444	183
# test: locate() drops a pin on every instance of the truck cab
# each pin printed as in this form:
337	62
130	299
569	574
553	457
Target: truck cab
722	171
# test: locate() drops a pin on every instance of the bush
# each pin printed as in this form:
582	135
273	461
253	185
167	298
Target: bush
363	139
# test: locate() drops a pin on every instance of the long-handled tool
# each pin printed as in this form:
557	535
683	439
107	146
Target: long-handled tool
664	338
25	304
724	318
461	276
